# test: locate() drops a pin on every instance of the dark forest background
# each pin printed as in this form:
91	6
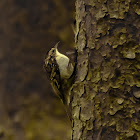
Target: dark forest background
29	110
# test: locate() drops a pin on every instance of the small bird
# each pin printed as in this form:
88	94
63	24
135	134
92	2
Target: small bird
59	70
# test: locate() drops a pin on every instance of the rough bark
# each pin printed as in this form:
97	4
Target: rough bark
105	96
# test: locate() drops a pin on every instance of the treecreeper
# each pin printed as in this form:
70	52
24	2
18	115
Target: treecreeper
59	69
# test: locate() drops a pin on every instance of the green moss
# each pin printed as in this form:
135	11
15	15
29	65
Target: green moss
120	100
96	76
129	80
136	126
91	43
137	8
118	83
130	134
89	75
89	125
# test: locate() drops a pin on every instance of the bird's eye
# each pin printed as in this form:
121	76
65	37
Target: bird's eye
53	50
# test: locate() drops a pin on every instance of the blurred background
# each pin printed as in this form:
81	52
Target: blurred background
29	110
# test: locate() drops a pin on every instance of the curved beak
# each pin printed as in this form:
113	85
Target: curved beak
56	45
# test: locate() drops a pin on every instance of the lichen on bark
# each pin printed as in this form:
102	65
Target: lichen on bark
106	92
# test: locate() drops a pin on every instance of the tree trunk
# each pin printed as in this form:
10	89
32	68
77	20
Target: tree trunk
105	96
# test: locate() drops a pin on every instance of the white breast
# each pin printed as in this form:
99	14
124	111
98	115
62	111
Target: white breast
63	62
